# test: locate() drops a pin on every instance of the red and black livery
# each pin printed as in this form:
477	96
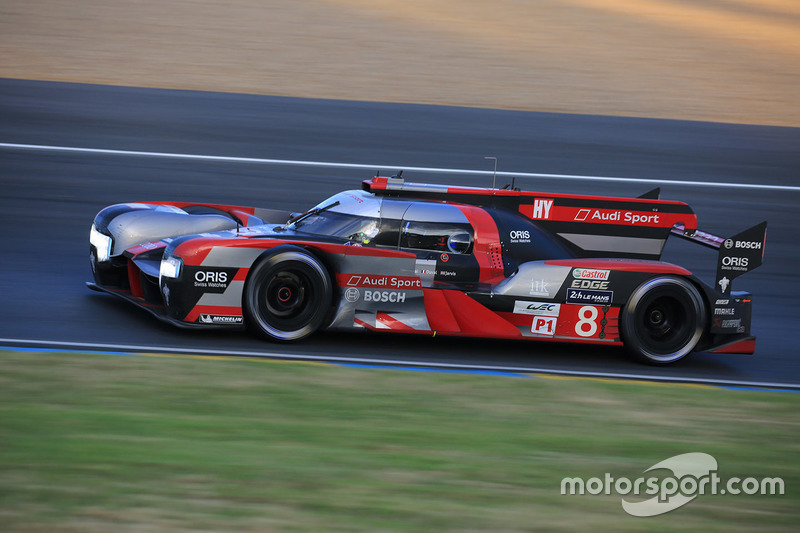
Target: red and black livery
434	259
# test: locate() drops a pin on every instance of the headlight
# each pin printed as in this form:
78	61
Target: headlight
102	244
170	267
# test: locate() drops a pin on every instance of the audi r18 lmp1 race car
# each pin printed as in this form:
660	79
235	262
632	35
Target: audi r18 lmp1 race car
433	259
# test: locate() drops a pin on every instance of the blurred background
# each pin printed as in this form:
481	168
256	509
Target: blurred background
712	60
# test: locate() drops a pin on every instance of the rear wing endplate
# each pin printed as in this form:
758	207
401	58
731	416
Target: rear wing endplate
737	255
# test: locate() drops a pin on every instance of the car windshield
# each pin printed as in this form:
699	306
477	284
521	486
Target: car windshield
353	227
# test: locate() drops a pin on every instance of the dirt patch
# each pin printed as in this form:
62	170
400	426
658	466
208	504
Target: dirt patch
718	60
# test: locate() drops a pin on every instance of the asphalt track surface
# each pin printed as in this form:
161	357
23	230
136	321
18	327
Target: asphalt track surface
48	198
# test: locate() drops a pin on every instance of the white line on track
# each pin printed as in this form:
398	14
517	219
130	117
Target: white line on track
11	343
431	170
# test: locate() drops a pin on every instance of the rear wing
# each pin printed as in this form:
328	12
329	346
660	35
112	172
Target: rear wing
737	255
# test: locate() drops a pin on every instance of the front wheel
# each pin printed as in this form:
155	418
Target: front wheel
288	295
663	320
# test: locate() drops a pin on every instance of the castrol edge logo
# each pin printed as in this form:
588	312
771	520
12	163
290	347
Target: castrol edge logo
590	273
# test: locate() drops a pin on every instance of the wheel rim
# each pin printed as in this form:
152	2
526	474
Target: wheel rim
665	325
288	295
285	294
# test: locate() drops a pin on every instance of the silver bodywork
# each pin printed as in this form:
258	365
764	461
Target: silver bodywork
141	225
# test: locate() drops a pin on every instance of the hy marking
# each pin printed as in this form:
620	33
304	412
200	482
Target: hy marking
432	170
125	349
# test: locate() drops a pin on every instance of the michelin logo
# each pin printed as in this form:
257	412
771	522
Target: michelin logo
220	319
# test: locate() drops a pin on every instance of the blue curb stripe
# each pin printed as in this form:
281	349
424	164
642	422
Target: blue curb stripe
57	350
760	389
442	370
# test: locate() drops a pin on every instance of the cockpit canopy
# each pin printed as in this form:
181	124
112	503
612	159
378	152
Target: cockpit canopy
366	219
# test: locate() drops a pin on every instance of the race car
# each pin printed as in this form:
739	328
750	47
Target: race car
434	260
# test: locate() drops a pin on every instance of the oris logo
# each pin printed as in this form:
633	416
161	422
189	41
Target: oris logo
520	234
741	262
202	276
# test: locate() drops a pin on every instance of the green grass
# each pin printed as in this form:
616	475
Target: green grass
92	442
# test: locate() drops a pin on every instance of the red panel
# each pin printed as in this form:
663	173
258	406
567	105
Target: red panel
585	322
623	265
392	323
565	328
437	309
212	310
619	217
378	281
146	247
221	207
487	241
475	319
134	280
744	346
243	216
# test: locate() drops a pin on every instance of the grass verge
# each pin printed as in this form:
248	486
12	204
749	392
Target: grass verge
93	442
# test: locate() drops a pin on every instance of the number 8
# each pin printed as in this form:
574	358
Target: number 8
587	320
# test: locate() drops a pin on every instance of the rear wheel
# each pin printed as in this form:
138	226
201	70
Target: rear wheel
663	320
288	295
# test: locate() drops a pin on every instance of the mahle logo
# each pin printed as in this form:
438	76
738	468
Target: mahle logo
691	475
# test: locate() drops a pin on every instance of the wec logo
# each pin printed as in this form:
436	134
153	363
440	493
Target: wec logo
536	308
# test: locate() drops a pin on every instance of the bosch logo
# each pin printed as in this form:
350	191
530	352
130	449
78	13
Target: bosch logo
352	295
203	276
384	296
728	244
750	245
520	234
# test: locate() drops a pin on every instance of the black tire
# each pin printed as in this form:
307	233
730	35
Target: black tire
663	320
288	294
